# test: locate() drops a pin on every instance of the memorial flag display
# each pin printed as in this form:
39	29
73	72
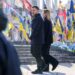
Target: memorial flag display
63	21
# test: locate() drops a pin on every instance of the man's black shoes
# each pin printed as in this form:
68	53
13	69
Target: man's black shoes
46	68
37	71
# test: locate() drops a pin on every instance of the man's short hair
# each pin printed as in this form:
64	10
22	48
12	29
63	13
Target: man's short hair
36	7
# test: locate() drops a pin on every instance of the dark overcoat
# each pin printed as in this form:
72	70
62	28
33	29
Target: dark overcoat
37	36
48	31
9	62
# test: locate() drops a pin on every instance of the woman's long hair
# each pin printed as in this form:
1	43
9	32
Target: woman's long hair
47	14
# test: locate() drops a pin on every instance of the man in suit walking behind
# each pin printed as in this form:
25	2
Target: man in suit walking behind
9	62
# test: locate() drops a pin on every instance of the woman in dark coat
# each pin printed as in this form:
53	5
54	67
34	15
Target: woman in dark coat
48	41
9	62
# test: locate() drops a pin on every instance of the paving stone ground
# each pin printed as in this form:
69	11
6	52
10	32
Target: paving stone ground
62	69
66	59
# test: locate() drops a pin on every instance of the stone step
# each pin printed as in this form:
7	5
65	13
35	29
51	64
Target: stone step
61	55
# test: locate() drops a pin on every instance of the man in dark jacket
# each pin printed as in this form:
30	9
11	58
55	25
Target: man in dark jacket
9	62
37	38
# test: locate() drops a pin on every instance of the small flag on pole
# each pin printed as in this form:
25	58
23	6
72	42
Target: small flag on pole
26	5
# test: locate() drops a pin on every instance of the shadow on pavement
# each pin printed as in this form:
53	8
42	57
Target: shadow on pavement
53	73
44	73
66	64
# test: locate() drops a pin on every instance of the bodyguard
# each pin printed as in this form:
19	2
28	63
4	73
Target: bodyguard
9	62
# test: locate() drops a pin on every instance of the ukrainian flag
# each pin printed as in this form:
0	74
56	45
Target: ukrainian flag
21	28
58	27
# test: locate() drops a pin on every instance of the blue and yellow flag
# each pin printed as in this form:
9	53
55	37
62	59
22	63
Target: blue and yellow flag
58	26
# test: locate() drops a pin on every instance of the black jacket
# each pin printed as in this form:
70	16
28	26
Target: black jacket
37	36
48	31
9	62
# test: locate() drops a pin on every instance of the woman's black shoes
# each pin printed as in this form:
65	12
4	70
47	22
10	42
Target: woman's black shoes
55	64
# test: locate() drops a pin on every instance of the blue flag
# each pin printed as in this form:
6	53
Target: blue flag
72	10
69	23
69	20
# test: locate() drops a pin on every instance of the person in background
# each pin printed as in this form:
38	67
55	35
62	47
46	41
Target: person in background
48	41
9	62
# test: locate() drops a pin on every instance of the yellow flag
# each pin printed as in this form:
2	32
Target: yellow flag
70	34
10	26
58	27
21	27
24	32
